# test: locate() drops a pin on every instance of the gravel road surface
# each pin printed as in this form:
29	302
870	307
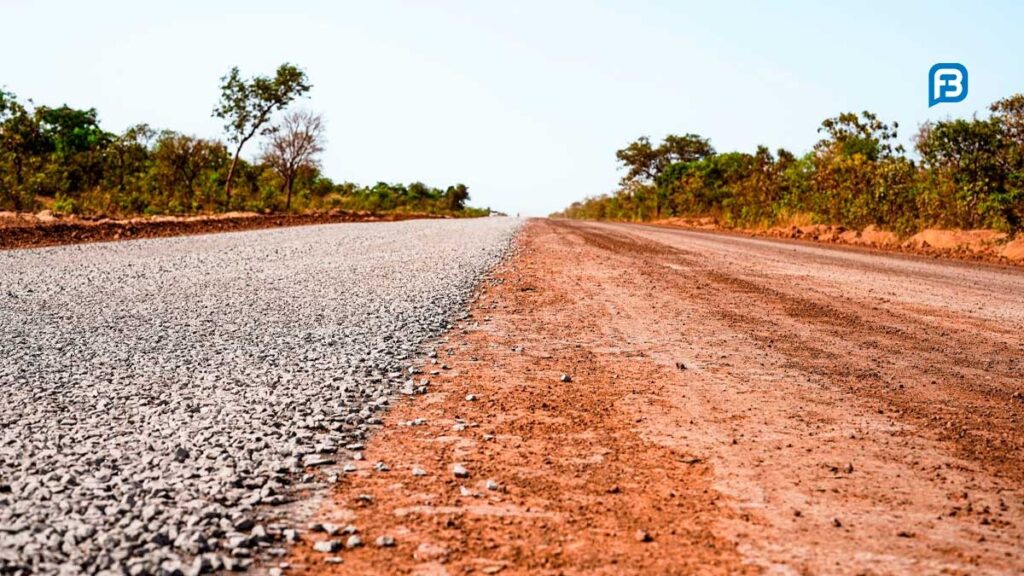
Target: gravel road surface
165	400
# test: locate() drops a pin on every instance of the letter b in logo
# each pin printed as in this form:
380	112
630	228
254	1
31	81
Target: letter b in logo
947	83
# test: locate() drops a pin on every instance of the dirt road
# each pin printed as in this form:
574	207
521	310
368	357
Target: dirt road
732	405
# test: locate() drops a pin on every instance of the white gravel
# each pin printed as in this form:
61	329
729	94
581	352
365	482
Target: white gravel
163	398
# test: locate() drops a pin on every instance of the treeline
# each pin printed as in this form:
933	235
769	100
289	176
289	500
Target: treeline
62	159
969	173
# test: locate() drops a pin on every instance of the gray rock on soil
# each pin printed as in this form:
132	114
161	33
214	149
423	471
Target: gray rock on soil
327	546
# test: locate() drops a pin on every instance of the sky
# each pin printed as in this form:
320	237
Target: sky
526	101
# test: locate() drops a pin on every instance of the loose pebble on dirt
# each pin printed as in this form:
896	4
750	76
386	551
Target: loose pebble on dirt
166	400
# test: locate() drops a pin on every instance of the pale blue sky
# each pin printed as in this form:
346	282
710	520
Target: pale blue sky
525	102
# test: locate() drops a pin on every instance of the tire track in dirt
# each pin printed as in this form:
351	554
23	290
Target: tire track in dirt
936	364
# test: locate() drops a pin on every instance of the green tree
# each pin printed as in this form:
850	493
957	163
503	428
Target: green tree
1009	113
641	161
645	165
419	191
456	197
968	161
645	162
128	157
180	162
246	106
849	134
78	148
849	164
686	148
24	149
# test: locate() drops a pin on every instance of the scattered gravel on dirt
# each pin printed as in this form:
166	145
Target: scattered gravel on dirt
165	399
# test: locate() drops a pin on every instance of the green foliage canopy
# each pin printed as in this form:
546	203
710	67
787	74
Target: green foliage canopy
970	174
62	159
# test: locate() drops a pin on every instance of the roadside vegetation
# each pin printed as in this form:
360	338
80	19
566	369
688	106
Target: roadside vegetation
967	173
60	158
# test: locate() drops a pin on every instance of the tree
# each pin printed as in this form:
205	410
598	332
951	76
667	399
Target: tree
294	145
456	197
127	156
418	191
8	104
1009	112
848	134
686	148
968	157
640	160
246	106
858	173
179	162
24	149
78	148
645	162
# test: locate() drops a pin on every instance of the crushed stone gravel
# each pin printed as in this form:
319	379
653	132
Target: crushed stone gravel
165	400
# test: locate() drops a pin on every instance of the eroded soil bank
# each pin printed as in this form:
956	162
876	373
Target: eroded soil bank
975	245
31	231
733	405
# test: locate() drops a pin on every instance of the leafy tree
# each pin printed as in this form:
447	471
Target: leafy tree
78	144
128	157
246	106
686	148
968	159
1009	113
641	161
419	191
852	163
23	151
456	197
848	134
646	165
645	162
180	162
294	145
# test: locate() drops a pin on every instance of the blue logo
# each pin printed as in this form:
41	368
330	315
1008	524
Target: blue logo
947	82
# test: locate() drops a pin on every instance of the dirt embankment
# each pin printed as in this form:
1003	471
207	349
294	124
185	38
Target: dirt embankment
44	229
733	405
979	245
